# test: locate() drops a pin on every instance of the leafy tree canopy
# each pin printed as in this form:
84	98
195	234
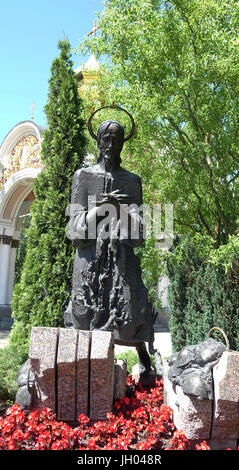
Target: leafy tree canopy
175	64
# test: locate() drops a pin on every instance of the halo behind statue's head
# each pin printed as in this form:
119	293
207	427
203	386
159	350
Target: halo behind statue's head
112	107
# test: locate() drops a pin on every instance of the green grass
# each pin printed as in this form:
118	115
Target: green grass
132	358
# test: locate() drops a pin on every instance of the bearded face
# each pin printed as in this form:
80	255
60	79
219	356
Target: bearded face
110	143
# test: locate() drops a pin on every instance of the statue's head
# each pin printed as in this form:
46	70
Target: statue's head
110	141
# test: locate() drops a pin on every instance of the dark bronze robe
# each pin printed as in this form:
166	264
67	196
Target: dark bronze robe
108	292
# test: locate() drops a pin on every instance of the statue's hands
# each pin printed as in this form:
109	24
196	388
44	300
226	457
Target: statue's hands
116	198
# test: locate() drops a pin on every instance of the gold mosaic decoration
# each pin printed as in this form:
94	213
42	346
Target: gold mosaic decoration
25	154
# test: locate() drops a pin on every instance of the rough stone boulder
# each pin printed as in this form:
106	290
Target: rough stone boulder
201	385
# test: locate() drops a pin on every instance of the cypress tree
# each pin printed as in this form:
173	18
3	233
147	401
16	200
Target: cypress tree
177	302
44	290
184	305
203	294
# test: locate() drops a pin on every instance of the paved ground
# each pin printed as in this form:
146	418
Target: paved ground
3	338
162	343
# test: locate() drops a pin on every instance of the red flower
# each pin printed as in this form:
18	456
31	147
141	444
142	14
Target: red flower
138	421
58	445
203	446
83	419
126	401
133	401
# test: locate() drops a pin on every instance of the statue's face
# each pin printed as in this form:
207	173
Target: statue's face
110	143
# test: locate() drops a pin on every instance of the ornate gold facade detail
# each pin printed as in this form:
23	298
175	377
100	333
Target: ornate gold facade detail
25	154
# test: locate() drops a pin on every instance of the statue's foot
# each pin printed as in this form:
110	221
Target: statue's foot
147	379
146	374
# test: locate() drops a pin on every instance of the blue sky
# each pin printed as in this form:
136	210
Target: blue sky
29	35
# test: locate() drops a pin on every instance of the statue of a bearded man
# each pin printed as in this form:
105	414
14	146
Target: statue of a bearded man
107	224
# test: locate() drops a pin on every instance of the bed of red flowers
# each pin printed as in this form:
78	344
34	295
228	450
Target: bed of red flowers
140	421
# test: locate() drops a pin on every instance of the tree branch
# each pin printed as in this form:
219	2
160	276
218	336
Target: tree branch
185	18
233	178
182	135
192	227
193	118
232	156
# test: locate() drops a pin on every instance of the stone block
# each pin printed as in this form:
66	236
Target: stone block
226	390
101	374
223	444
191	415
42	355
82	372
72	372
120	374
66	374
215	420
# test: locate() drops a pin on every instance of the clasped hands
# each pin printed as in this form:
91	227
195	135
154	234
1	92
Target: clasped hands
114	197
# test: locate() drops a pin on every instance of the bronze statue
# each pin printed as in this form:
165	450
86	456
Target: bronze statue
108	292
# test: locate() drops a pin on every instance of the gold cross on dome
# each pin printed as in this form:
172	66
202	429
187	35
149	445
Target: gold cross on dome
93	31
33	109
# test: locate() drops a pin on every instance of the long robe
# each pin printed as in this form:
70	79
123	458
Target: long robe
108	292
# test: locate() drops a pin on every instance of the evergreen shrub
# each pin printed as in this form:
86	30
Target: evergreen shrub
10	364
203	293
